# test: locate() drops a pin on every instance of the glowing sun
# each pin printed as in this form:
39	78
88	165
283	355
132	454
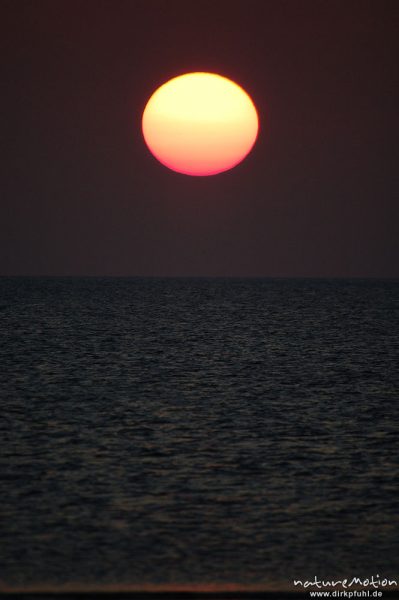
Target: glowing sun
200	124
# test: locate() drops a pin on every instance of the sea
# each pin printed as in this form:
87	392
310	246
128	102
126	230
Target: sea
198	432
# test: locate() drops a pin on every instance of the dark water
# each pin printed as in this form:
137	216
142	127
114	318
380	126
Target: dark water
198	431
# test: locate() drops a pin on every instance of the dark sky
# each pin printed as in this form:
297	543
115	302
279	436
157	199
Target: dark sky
82	195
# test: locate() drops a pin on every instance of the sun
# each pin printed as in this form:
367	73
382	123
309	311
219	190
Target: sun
200	124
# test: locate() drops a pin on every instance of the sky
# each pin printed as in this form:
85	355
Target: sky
82	194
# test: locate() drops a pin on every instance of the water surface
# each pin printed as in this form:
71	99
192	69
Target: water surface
198	431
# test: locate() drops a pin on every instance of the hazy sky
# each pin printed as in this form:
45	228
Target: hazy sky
82	195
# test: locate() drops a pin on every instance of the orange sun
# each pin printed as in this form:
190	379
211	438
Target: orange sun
200	124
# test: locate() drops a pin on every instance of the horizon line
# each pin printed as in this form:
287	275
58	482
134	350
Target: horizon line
110	276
